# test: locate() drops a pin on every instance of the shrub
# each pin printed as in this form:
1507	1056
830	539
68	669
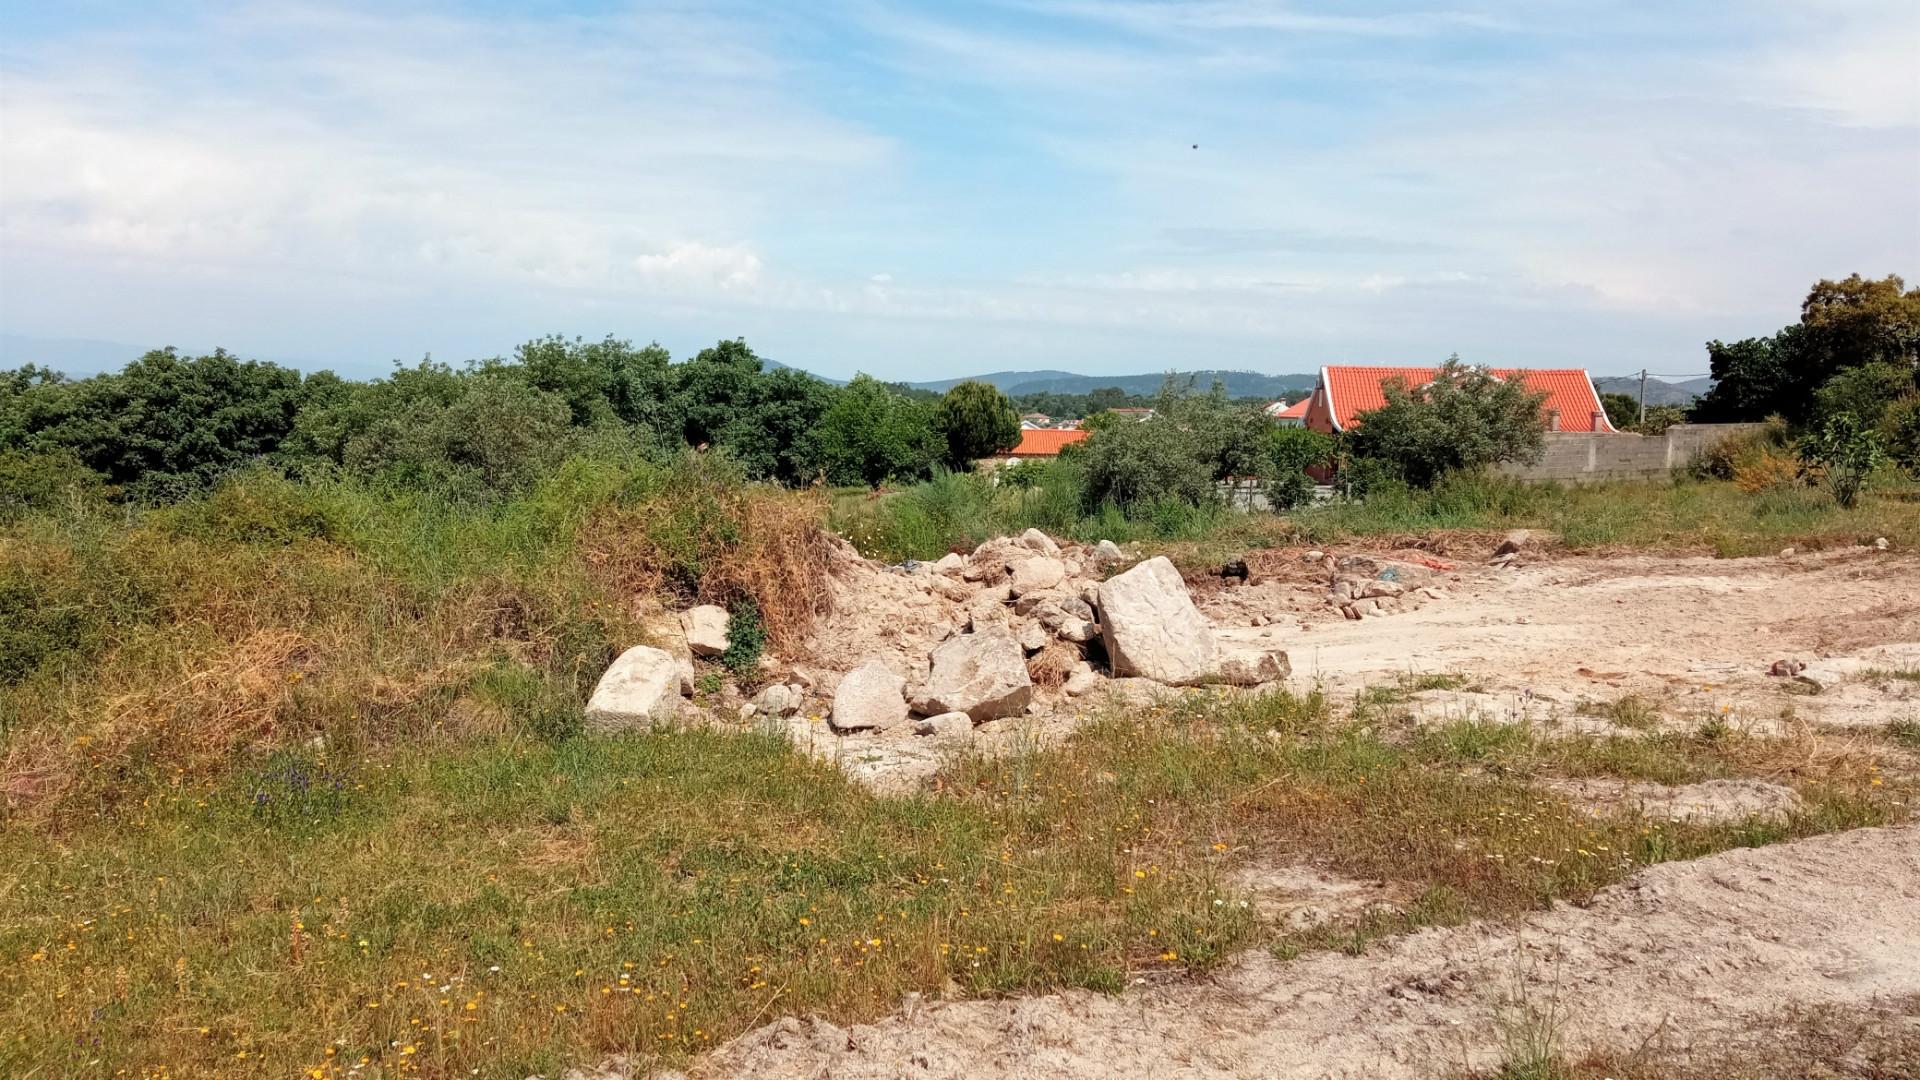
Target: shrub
1138	465
977	420
1464	419
1766	469
38	624
1719	460
746	637
1846	450
32	482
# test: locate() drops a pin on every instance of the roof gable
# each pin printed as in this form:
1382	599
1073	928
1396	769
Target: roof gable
1046	442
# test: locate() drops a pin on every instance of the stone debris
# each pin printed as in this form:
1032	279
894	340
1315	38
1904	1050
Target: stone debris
1151	627
706	629
1036	573
641	688
1040	542
1106	551
869	698
947	725
950	563
779	699
981	675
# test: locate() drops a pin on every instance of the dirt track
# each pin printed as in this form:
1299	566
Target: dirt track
1700	949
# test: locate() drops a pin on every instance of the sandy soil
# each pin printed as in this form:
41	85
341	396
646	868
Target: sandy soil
1703	949
1689	634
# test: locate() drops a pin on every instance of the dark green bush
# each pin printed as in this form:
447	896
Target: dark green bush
31	482
746	637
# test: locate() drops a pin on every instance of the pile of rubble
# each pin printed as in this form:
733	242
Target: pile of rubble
1018	627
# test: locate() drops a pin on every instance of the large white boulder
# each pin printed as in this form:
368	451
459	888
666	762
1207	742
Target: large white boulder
640	689
706	628
982	675
870	698
1041	543
1036	573
1151	628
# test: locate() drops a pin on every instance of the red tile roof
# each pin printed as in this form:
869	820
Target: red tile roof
1352	390
1045	442
1290	412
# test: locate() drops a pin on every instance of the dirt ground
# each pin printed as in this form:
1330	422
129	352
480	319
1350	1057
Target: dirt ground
1682	953
1689	635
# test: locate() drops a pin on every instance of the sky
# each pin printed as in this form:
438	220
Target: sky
926	190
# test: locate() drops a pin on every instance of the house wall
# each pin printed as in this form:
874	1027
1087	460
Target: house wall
1578	456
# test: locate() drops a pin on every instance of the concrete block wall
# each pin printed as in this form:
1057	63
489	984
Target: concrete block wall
1577	456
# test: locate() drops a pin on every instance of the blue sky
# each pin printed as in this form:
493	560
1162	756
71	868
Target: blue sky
922	190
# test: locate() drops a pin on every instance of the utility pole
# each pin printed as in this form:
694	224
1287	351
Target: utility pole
1643	395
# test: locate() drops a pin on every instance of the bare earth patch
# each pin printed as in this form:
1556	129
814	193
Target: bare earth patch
1707	948
1710	802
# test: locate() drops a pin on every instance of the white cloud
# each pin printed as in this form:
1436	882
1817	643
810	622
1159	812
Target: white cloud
726	267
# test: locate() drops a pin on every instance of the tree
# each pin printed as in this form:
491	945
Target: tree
1866	391
1863	321
772	434
1135	466
977	421
1623	410
871	435
1843	325
1291	451
493	434
1464	419
165	422
1846	450
711	390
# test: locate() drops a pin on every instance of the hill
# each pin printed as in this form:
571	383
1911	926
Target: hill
1658	392
1238	383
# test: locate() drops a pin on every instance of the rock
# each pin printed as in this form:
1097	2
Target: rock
706	629
1032	636
988	611
1252	666
1313	556
1786	553
641	688
949	587
1090	595
1076	631
1880	543
947	725
1349	611
1343	590
748	710
1106	551
1784	668
1084	680
1041	543
869	698
1234	569
1031	603
982	675
950	563
1515	542
1151	628
1039	572
1379	588
778	700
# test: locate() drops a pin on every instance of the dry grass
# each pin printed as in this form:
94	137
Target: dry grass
1050	667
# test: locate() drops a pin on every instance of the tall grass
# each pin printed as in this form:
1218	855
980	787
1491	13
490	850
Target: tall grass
144	645
956	511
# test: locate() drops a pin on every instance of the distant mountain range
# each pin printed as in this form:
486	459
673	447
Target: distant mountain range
1658	392
1238	383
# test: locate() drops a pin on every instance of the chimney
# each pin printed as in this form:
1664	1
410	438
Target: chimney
1599	420
1553	419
